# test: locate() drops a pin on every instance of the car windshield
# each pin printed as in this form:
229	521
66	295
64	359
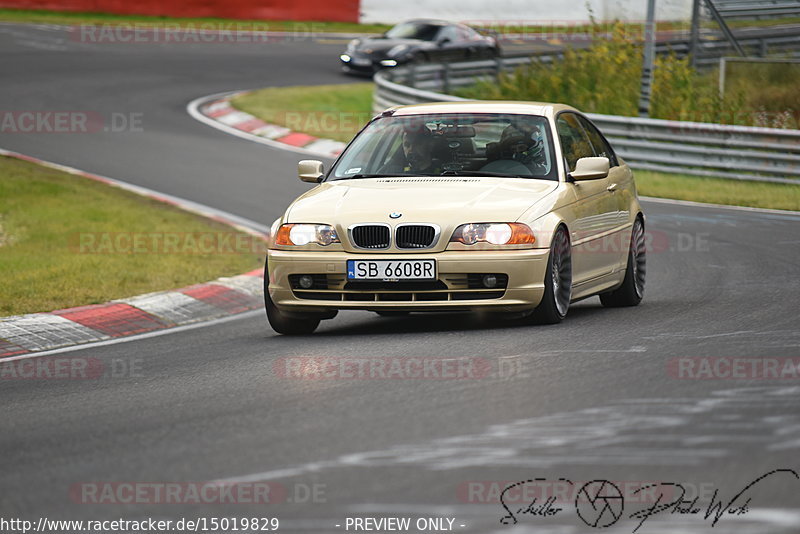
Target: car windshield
456	144
414	30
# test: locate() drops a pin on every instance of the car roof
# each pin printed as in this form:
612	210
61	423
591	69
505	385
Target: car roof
433	22
546	109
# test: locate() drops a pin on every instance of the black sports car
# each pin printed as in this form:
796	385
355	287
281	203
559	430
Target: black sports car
417	40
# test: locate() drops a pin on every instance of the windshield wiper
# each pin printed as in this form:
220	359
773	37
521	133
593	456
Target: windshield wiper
357	176
484	173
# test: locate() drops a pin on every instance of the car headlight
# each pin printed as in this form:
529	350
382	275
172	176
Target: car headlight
494	234
397	50
303	234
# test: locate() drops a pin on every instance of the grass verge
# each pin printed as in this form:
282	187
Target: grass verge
311	103
68	241
70	18
718	190
328	111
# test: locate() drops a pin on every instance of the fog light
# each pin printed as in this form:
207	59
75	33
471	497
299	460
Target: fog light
489	281
306	282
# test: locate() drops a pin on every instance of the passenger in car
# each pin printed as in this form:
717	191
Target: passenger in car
520	144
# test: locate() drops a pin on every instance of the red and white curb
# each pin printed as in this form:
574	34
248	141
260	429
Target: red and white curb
36	332
217	111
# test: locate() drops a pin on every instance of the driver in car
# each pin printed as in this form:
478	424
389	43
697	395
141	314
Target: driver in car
417	152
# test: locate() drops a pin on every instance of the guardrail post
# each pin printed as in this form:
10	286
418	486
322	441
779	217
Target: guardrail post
446	78
762	47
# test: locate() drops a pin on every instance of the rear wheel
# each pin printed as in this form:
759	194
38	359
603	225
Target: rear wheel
294	324
631	291
557	281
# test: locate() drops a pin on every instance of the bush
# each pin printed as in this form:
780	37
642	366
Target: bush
606	77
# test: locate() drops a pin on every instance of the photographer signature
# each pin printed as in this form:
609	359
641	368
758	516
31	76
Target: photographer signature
600	503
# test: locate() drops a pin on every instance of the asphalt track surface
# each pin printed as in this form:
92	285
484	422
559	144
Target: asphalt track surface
592	398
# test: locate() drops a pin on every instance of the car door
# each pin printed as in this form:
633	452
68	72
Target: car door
620	185
595	211
448	45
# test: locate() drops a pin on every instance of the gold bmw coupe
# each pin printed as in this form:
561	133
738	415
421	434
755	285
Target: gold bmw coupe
497	206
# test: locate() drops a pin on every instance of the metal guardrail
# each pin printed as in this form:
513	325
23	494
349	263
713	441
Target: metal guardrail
757	9
710	51
695	148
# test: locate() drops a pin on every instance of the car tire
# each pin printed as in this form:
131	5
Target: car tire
283	323
631	291
557	281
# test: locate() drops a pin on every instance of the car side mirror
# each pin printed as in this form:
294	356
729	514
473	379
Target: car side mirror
443	41
590	169
310	170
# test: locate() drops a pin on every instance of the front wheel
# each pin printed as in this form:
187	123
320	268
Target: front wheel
283	323
631	291
557	281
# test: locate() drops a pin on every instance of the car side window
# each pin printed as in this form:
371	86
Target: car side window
575	143
600	145
465	33
449	33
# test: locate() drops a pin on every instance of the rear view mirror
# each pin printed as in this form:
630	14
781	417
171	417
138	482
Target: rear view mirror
310	170
590	169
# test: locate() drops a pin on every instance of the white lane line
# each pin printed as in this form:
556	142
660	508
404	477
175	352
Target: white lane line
718	206
146	335
193	108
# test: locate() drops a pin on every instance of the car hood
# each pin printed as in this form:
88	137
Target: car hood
445	201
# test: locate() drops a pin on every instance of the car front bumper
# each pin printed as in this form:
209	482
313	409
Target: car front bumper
454	288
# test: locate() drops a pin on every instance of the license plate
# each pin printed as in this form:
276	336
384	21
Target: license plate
391	270
360	61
